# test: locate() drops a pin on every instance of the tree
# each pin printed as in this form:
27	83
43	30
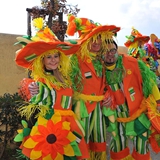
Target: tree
53	10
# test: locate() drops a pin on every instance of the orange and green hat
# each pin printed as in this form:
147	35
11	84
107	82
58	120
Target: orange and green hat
136	36
43	41
86	28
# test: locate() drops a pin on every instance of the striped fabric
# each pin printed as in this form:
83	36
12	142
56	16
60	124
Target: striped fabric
45	96
65	102
95	126
120	142
30	57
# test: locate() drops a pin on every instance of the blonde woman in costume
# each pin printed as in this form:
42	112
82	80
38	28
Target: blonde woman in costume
55	133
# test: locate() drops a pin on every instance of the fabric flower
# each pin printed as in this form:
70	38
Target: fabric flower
50	139
22	133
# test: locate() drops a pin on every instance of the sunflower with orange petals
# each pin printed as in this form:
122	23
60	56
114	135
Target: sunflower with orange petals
51	140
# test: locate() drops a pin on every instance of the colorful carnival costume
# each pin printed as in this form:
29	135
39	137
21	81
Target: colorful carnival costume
138	47
56	133
89	82
135	91
152	49
135	43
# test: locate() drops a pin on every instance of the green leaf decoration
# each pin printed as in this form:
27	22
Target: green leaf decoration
18	137
26	131
24	123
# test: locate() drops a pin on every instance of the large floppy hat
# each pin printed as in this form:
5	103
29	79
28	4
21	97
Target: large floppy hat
135	36
86	28
26	55
43	41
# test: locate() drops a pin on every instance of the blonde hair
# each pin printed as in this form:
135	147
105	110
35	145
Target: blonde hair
38	70
106	36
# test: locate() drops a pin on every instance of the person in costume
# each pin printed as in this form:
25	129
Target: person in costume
139	47
87	75
135	93
88	82
136	48
56	133
152	49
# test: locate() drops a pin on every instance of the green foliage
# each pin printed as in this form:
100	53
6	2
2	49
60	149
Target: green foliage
9	117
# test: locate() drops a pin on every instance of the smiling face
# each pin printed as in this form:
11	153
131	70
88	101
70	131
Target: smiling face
110	56
95	46
51	61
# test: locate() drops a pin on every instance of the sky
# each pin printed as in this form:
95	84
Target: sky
143	15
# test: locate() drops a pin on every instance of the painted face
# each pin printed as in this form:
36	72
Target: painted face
111	55
96	45
51	61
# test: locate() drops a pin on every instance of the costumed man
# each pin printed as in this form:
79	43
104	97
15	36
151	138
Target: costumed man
55	133
89	82
135	91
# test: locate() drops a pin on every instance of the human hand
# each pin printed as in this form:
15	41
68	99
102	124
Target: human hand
33	88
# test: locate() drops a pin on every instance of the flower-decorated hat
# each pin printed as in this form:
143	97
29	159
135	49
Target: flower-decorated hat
86	28
136	36
43	41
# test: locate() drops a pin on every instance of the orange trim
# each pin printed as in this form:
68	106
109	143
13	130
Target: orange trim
143	108
120	155
97	147
138	156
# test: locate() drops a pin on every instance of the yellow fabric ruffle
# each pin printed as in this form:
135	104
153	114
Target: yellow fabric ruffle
84	97
97	155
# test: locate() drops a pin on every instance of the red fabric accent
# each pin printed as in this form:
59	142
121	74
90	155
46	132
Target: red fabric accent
97	147
85	151
109	93
133	79
119	97
24	90
153	142
120	155
26	152
91	86
138	156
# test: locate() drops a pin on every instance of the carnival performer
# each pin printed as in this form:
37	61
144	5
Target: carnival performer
56	133
152	49
136	48
139	46
137	100
89	81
